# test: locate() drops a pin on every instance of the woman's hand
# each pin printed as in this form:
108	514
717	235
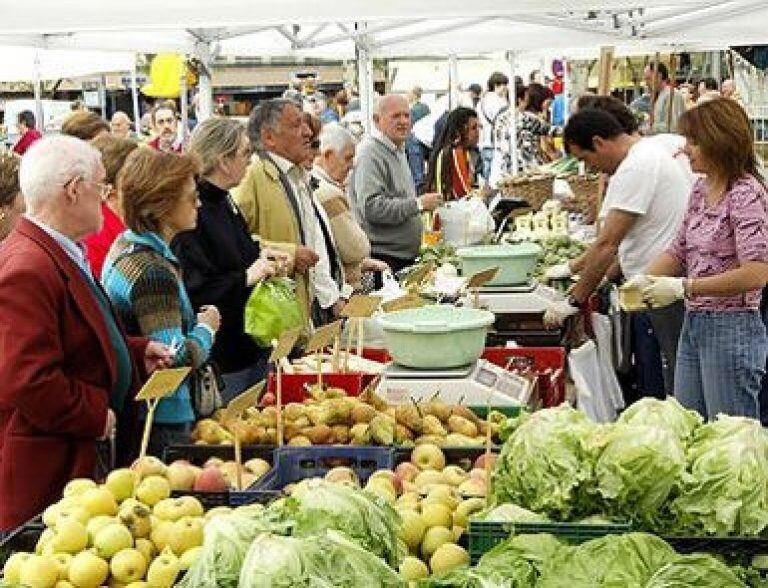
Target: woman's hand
210	316
261	269
373	265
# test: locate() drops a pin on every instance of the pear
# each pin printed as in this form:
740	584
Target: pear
382	430
408	415
340	434
319	434
370	397
362	413
433	426
462	411
360	434
403	434
436	408
459	424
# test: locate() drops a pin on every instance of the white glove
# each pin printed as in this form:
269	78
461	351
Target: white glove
638	282
559	271
663	291
557	312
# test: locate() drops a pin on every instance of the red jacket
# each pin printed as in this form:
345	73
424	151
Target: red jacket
55	373
26	140
155	144
97	245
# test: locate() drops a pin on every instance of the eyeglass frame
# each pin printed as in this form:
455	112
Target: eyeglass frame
104	187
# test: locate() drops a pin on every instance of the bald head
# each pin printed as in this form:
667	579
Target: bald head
121	125
392	117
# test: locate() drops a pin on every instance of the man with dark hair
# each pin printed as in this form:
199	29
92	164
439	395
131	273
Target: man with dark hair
165	128
492	103
643	206
668	104
708	90
28	134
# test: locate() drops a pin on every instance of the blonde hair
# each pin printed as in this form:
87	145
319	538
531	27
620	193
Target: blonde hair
84	125
9	178
114	151
216	138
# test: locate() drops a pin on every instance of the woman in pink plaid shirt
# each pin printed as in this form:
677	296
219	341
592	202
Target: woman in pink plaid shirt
718	263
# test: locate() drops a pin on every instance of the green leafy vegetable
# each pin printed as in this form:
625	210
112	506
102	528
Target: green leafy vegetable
668	414
695	571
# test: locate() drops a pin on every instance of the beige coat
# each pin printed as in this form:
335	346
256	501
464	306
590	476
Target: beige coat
351	241
270	217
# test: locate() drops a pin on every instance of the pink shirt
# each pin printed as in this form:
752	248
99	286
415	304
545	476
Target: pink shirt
713	240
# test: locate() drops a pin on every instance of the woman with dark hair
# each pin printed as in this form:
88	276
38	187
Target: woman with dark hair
718	264
450	171
533	127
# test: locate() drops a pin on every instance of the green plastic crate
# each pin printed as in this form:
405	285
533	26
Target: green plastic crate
485	535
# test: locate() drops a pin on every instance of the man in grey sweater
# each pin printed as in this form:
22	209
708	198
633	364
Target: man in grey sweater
382	189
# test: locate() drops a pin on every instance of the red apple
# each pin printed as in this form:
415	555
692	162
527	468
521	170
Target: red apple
211	479
480	461
406	471
397	483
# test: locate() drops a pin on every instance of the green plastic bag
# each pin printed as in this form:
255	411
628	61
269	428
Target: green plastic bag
272	309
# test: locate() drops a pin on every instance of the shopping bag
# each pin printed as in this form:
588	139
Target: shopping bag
591	396
272	309
465	222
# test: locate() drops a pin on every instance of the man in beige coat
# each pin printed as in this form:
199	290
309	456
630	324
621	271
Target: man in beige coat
271	194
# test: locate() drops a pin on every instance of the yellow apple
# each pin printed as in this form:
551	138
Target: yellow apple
434	538
181	476
148	466
187	533
77	487
189	557
412	569
71	537
412	530
39	571
87	570
97	523
99	501
161	534
137	519
75	512
153	489
45	538
163	571
111	539
447	557
128	565
121	483
12	567
62	561
146	548
435	514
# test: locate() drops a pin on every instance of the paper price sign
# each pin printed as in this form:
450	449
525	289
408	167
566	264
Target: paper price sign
285	344
163	383
418	275
323	337
481	278
361	306
243	402
403	303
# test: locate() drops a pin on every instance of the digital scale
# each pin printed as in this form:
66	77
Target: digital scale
481	383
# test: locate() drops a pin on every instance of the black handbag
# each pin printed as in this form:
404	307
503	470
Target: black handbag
205	388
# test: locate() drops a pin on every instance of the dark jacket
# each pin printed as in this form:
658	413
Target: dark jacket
214	258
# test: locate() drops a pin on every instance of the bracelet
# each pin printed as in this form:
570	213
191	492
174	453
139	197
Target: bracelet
688	288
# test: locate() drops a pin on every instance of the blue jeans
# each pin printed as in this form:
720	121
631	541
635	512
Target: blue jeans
721	362
237	382
486	158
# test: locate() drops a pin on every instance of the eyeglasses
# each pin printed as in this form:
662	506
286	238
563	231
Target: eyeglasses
104	188
315	144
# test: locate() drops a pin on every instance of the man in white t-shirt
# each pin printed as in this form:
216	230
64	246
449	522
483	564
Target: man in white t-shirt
644	203
493	102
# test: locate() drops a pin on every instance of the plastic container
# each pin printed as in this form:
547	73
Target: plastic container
539	359
485	535
294	389
23	538
436	337
516	262
293	464
463	457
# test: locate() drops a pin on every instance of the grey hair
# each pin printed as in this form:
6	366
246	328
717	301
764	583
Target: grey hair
335	137
379	101
216	137
266	115
53	161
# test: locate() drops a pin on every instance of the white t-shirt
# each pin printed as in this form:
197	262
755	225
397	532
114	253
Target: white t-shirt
489	106
651	184
674	144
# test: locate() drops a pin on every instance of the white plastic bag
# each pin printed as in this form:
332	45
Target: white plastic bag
584	366
465	222
602	327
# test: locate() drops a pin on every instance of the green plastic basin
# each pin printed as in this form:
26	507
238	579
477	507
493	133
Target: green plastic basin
436	337
516	262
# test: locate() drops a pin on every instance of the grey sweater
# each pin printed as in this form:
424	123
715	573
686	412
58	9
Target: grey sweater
384	197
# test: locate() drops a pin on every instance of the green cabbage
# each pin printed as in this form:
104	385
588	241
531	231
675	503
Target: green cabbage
668	414
367	519
330	560
613	561
725	490
510	513
543	465
695	571
637	470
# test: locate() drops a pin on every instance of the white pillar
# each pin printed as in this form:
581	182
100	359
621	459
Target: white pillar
103	95
135	99
184	106
205	84
453	81
511	59
716	73
566	90
38	90
365	79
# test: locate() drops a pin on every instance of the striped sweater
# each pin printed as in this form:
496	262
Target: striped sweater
141	277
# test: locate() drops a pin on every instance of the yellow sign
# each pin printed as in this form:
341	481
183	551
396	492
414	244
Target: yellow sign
418	275
403	303
481	278
243	402
360	306
163	383
323	337
285	344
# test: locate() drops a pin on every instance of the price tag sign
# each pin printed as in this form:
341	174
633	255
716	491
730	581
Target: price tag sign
403	303
163	383
481	278
361	306
285	344
418	275
243	402
323	337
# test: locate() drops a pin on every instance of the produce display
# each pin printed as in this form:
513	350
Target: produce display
333	418
658	467
636	560
557	250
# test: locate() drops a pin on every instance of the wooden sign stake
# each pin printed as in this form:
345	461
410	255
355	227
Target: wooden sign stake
488	440
282	348
279	401
232	413
160	384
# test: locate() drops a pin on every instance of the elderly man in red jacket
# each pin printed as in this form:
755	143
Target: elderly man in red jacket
67	369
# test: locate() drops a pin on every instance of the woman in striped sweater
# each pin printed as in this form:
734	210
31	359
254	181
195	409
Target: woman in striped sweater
158	198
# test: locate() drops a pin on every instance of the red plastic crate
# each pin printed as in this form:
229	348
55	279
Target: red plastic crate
539	359
293	384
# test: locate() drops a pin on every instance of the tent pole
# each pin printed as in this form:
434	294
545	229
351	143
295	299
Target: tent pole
566	90
364	77
453	81
184	105
511	60
135	99
205	84
38	90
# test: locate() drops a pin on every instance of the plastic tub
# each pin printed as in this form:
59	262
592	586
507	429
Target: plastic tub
516	262
436	337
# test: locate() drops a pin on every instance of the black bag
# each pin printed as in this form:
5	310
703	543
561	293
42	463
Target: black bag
205	385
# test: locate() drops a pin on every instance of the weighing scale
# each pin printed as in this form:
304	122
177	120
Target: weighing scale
480	383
